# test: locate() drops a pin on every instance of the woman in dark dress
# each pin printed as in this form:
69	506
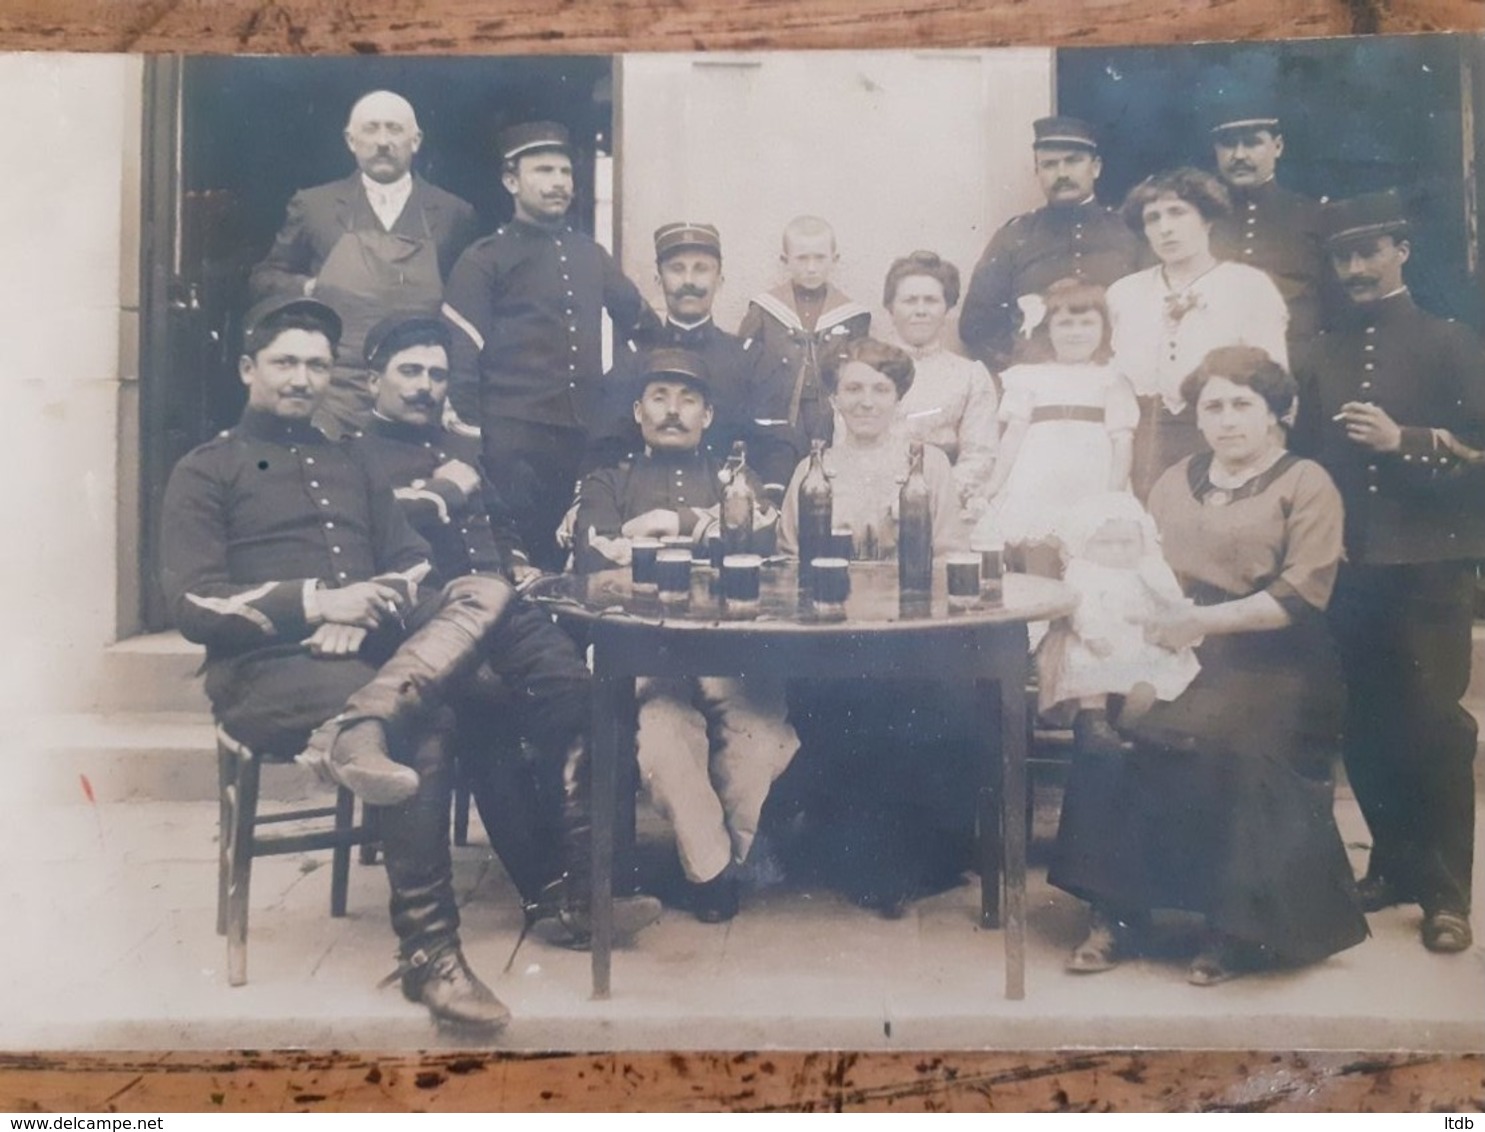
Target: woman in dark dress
1224	805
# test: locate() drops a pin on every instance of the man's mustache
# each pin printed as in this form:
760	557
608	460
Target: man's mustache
420	402
1356	282
687	291
1064	183
1244	166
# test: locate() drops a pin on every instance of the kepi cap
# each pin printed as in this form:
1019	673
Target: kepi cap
261	311
687	234
528	136
1064	133
422	321
1234	116
1363	217
669	361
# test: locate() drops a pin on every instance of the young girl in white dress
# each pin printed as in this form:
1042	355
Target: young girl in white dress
1069	428
1114	563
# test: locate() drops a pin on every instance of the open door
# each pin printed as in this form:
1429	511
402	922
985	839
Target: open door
229	140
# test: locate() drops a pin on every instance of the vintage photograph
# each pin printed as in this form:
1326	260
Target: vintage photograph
872	550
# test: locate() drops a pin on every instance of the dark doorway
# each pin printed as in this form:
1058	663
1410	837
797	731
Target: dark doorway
1358	115
229	140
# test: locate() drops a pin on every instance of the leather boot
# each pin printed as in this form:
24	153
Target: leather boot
406	689
570	898
425	916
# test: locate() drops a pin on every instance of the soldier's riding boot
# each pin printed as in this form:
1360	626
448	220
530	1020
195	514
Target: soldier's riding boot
570	897
425	916
406	689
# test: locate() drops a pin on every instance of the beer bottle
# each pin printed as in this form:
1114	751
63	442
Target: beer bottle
814	512
737	504
915	527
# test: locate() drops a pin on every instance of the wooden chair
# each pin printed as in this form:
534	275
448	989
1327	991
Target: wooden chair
239	841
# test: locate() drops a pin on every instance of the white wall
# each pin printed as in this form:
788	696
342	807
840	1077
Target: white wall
69	197
898	150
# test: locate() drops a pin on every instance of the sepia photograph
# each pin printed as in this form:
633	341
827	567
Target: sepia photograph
884	550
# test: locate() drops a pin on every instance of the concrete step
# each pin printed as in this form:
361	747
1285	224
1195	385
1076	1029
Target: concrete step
160	756
156	672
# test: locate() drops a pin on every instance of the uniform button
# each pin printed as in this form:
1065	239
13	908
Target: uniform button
563	258
1368	366
309	460
292	450
1247	251
314	483
1365	386
1371	329
324	503
572	385
335	550
329	526
1408	458
341	575
574	347
1372	489
1369	347
427	444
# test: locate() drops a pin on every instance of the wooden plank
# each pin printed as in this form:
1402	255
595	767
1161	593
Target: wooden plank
905	1082
416	26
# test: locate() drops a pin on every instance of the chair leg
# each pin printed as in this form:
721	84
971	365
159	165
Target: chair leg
245	800
371	820
340	856
461	809
226	809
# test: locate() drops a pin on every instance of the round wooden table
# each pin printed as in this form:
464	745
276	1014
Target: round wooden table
883	634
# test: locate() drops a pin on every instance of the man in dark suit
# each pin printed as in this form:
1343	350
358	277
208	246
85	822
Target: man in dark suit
1398	414
526	305
378	241
1271	227
688	267
1073	237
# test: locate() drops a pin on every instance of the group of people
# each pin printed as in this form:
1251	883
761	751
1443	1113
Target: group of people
1216	413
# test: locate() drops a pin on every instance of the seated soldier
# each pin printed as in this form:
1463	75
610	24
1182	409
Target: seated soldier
537	816
709	747
288	558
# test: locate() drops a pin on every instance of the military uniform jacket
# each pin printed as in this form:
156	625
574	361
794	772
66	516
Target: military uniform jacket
688	483
264	514
468	534
1278	231
1425	502
790	406
526	306
1083	241
729	360
317	218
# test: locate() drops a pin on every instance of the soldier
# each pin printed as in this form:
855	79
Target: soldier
537	816
526	305
380	240
1398	404
709	748
287	557
1073	237
1270	227
688	267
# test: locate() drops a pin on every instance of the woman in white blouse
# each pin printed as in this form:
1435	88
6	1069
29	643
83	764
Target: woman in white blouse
1168	317
951	403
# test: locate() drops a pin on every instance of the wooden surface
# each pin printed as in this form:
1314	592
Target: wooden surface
575	26
911	1082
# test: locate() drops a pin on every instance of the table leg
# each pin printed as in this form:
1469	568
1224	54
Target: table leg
608	694
988	843
1013	811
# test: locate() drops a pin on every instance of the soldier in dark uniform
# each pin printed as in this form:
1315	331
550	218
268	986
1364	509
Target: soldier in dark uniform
537	816
526	304
287	557
688	266
709	747
1397	402
1270	227
1073	237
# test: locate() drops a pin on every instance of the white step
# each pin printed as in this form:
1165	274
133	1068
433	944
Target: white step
156	672
132	756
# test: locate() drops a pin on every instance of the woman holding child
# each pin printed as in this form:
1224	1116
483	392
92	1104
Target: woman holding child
1223	806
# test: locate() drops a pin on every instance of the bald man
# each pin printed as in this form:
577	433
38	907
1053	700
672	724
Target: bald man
380	241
